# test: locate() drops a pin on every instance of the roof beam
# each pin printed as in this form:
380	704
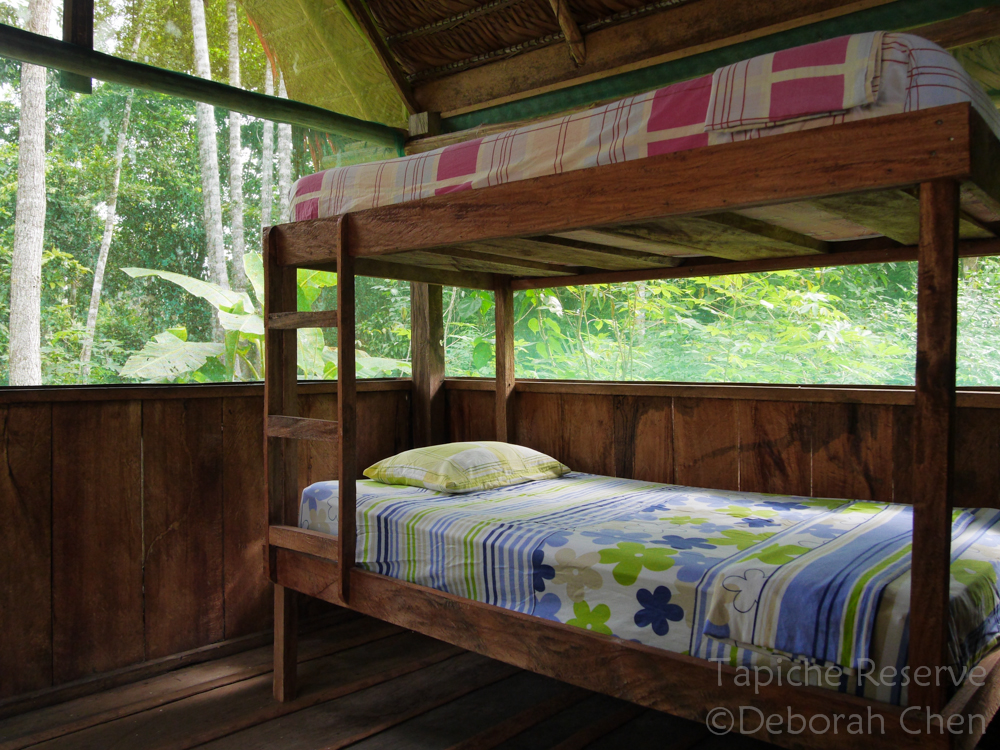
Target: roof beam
577	48
359	9
974	26
36	49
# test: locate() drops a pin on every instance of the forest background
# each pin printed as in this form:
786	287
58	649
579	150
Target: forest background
144	214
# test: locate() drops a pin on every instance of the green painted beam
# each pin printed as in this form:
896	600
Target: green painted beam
903	14
53	53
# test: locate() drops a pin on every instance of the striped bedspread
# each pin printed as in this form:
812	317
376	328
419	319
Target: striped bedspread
753	580
848	78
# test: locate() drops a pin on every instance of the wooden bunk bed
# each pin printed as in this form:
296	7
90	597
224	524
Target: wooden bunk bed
936	159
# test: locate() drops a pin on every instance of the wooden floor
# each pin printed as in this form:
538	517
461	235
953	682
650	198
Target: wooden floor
366	685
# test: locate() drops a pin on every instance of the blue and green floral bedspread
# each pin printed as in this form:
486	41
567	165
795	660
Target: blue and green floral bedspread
752	580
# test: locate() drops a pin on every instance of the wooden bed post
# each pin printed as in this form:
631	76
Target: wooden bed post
346	413
934	439
504	300
281	465
430	425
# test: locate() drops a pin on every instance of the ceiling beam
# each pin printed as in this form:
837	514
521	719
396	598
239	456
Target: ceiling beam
975	26
685	30
36	49
577	48
359	9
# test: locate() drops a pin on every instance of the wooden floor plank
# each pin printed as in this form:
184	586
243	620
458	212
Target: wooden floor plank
561	726
217	713
363	713
482	719
594	730
92	710
652	729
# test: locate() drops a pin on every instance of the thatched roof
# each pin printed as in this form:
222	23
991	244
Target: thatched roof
433	38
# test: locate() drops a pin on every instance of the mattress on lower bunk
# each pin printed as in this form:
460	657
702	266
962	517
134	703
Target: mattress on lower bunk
816	585
849	78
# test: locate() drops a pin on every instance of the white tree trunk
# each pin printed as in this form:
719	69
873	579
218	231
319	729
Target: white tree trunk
284	158
105	249
235	152
267	159
29	222
208	152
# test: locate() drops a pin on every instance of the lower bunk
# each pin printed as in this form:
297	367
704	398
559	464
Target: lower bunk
744	610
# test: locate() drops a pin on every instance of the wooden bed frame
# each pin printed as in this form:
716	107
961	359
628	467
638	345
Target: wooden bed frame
946	153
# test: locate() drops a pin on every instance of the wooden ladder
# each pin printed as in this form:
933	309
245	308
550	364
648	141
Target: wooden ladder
283	425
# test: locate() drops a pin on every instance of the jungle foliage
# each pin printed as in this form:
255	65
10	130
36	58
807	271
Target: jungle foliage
161	319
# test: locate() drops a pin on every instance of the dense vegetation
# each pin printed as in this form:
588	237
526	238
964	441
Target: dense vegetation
841	325
164	316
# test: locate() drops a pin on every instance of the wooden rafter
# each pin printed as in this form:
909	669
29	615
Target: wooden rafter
682	31
570	30
359	9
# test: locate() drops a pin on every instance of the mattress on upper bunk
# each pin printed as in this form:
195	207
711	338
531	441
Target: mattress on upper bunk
849	78
748	579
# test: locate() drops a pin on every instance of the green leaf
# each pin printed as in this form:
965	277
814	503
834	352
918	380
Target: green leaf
215	295
311	353
249	325
167	357
482	355
253	264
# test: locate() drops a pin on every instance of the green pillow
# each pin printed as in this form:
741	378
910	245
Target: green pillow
466	467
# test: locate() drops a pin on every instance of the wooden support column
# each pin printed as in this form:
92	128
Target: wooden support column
934	440
427	331
286	643
347	447
504	296
280	387
78	29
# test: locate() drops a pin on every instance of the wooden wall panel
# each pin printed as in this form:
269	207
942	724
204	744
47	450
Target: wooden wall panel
182	524
317	459
775	446
577	429
472	415
706	443
853	451
248	593
383	426
25	548
977	458
644	438
96	537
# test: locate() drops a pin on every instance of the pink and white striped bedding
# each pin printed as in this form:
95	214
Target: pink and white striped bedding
848	78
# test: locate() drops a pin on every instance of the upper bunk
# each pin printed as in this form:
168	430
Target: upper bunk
806	157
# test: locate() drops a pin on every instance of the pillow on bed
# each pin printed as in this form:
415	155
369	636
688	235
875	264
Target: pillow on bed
466	467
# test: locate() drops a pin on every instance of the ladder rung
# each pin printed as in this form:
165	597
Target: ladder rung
321	319
301	428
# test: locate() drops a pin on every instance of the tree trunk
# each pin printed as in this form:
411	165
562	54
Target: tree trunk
29	222
267	159
284	158
235	153
208	153
105	249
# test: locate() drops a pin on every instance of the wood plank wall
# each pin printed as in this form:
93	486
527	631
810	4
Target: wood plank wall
133	519
824	442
